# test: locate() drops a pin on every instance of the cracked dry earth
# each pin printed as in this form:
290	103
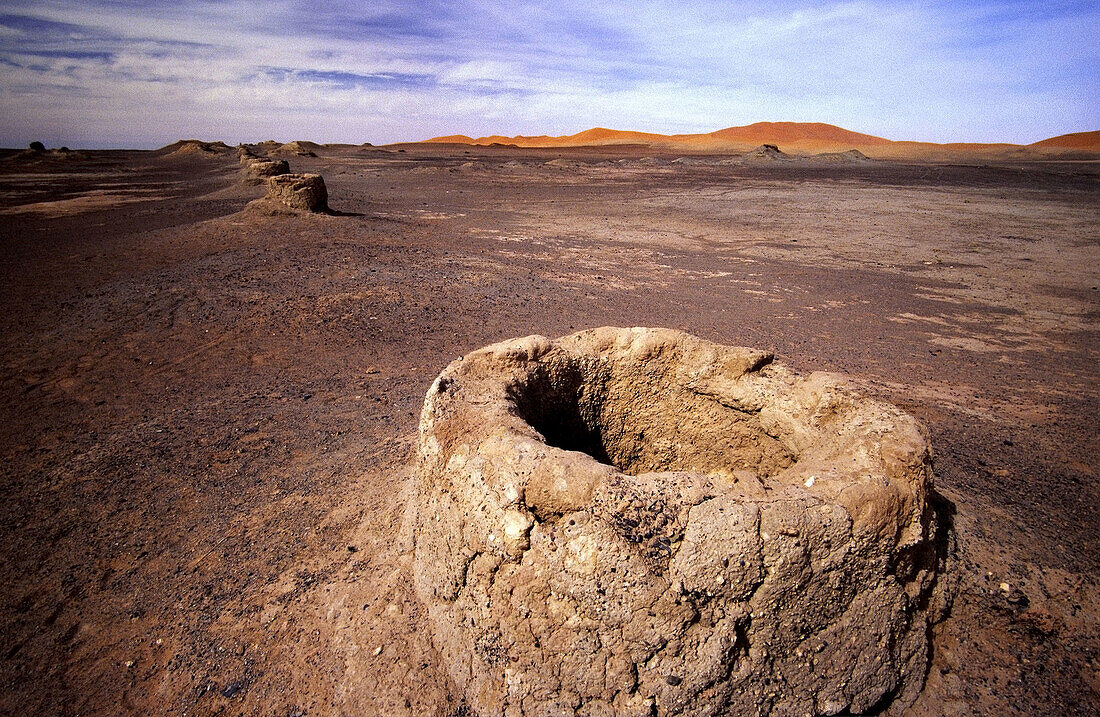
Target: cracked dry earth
210	416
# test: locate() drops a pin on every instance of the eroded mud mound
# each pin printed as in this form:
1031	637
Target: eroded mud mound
766	153
258	170
301	192
637	522
193	148
297	148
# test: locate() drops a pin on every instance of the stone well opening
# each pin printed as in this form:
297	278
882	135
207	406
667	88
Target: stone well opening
634	418
640	522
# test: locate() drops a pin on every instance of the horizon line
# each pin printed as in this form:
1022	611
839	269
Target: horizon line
107	145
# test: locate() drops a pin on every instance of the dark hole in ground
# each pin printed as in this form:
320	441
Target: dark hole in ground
556	402
639	421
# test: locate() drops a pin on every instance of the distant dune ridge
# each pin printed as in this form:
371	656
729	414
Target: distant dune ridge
1078	140
797	138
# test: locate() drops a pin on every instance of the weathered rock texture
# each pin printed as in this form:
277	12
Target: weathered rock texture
304	192
637	522
258	170
766	153
194	148
298	148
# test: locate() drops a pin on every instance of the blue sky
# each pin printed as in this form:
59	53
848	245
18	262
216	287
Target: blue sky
116	73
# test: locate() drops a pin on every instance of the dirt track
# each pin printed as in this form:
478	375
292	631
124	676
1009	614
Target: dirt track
208	415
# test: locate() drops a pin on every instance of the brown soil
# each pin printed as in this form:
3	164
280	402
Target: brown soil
209	415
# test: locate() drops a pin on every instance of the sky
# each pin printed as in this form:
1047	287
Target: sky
118	73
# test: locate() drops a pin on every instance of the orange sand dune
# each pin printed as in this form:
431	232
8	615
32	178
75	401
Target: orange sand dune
454	139
796	138
796	135
795	132
600	134
594	136
1078	140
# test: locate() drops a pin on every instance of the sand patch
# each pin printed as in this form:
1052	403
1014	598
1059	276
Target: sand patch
92	201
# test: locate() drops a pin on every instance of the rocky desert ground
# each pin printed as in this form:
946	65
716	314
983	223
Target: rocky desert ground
210	406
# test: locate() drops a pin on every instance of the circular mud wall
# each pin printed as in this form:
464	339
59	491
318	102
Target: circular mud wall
638	522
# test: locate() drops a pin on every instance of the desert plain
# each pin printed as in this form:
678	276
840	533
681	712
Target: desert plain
209	409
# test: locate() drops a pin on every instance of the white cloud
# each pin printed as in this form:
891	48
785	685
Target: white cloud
483	72
245	70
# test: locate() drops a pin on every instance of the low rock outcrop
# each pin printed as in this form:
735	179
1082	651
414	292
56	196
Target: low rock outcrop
766	153
640	522
850	156
297	148
194	148
34	155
